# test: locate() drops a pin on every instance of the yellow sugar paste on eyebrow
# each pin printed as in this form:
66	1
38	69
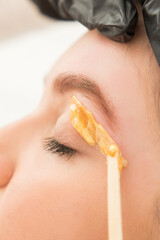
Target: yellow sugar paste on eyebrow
93	133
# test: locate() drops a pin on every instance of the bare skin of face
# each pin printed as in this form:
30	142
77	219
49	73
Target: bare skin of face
53	196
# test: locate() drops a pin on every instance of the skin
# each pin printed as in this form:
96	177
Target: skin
47	197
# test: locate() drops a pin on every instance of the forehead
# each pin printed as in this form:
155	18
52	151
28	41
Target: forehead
114	67
100	59
108	63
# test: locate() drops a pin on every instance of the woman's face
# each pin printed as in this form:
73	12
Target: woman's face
46	196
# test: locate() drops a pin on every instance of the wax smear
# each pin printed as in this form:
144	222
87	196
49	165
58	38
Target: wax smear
93	133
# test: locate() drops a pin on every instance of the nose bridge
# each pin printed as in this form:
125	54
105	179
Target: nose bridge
13	136
13	139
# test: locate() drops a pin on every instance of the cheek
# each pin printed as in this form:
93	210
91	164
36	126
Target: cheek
139	186
68	205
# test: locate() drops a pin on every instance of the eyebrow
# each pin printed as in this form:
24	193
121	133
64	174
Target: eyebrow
65	82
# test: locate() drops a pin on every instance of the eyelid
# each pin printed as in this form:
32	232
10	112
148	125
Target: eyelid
53	146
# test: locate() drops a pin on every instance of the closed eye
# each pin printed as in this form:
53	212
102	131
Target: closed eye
51	145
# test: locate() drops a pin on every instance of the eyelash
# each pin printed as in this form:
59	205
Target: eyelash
52	146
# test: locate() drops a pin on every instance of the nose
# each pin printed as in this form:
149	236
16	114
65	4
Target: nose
13	139
6	170
17	139
7	163
8	142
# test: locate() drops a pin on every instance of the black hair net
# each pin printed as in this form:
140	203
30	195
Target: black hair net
115	19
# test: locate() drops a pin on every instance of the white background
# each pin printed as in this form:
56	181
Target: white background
25	60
